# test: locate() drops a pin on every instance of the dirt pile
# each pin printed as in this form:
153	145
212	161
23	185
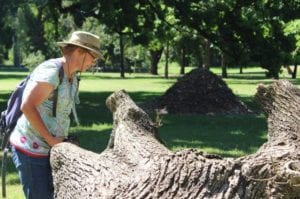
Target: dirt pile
199	92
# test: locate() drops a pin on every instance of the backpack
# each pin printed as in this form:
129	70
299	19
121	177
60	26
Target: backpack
10	116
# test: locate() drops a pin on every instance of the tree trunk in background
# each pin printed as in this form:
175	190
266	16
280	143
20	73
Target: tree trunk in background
167	60
136	165
241	69
183	61
272	72
155	57
223	65
16	48
207	54
122	68
39	42
294	74
16	51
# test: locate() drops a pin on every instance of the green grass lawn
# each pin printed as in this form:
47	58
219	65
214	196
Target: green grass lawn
228	136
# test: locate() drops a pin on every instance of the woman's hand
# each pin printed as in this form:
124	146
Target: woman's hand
38	93
53	140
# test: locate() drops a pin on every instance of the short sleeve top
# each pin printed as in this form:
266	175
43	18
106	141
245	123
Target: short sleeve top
24	137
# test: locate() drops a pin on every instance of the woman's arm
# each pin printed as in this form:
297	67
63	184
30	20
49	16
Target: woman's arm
35	96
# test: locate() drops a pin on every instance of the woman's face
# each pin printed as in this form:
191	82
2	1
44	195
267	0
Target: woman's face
89	60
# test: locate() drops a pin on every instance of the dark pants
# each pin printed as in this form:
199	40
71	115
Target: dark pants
35	175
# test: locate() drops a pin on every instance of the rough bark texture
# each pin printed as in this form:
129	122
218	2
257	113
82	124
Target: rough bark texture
136	165
155	57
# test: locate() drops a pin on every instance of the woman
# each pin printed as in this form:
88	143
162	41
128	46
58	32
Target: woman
38	129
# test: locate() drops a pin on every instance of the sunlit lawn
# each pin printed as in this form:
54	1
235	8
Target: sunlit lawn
228	136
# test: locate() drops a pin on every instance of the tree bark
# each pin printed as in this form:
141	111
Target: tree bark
136	165
16	46
183	61
167	60
223	65
122	67
241	69
155	57
207	54
294	74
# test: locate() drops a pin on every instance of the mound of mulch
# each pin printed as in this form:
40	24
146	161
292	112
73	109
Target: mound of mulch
199	92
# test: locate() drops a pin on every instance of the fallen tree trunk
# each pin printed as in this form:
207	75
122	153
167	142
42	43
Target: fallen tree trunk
136	165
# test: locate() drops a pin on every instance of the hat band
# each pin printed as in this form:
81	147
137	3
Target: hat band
85	44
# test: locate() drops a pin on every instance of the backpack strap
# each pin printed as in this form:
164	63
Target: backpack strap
55	97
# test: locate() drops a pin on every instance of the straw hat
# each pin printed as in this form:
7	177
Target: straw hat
84	40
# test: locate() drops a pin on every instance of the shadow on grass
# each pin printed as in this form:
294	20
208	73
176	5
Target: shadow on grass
251	104
240	132
11	169
255	77
222	133
127	76
228	136
247	77
295	81
265	82
8	75
93	140
92	108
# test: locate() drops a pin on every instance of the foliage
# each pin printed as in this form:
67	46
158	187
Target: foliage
6	30
256	31
293	28
244	30
33	59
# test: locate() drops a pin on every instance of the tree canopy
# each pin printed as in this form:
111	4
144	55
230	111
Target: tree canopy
244	31
253	29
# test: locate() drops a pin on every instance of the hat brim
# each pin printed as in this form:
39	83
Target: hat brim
97	53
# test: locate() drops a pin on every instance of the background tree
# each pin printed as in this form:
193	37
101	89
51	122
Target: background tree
8	22
162	35
257	27
243	31
123	18
293	28
5	39
157	33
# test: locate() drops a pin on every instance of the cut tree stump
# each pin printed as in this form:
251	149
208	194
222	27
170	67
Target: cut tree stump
136	165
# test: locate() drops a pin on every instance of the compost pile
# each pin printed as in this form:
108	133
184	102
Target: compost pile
199	92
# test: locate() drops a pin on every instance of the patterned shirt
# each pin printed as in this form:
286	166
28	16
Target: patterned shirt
24	137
